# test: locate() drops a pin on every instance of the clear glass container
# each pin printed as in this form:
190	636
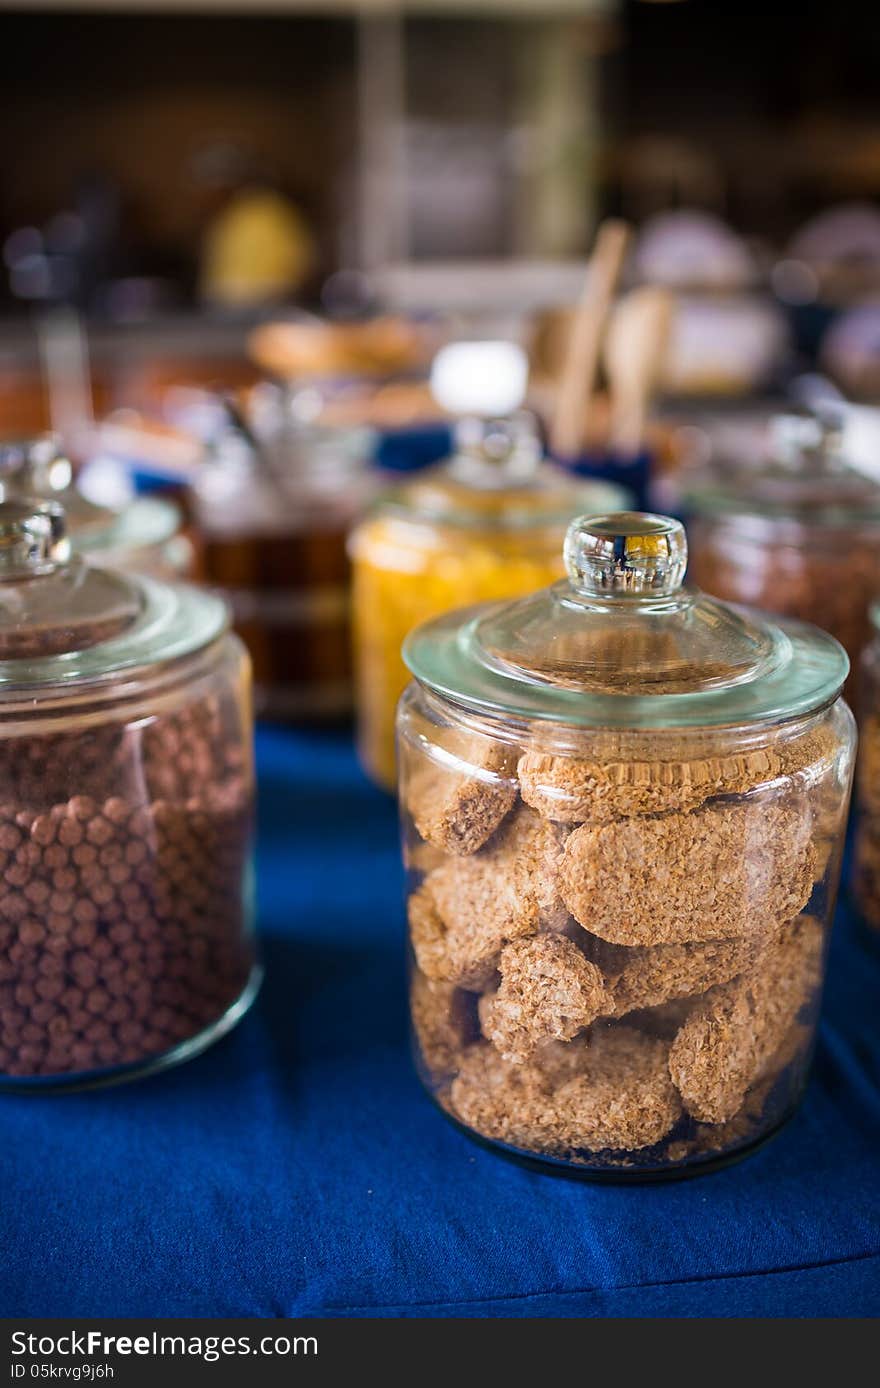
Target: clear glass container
623	814
487	524
126	808
796	532
867	850
272	512
146	536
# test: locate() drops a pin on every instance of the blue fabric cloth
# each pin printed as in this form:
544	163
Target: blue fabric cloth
297	1169
633	472
412	447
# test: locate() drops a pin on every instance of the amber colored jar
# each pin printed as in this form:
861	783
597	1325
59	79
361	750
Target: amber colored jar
488	524
867	854
623	811
272	515
126	815
797	532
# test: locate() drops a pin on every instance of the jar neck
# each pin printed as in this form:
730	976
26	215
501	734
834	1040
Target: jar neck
660	744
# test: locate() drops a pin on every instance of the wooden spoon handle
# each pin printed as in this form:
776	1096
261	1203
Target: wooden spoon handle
577	379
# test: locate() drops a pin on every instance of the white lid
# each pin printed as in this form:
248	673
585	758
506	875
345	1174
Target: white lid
480	378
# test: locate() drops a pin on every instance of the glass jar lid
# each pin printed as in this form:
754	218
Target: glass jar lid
39	468
804	478
63	620
495	479
622	643
252	485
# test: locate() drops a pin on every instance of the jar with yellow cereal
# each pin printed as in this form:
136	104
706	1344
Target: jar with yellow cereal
485	525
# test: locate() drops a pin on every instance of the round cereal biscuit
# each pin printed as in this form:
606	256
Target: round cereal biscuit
681	878
734	1033
467	909
623	1099
549	991
458	804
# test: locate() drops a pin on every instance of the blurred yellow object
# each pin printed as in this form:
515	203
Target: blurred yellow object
257	250
476	529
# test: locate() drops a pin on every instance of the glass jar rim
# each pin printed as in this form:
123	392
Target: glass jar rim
145	522
173	621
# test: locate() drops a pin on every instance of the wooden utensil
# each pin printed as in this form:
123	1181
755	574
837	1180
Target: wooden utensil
578	375
635	345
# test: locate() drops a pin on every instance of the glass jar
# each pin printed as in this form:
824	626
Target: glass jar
623	810
797	532
486	524
126	807
144	536
867	849
272	515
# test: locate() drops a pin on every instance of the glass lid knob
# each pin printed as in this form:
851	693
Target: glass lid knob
33	537
799	439
629	552
36	466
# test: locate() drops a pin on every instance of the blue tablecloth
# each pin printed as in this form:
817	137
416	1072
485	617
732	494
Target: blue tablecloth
297	1169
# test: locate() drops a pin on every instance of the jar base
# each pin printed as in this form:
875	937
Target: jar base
136	1070
559	1166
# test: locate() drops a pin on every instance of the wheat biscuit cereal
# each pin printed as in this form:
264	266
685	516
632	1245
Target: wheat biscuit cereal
718	873
612	1091
731	1038
457	806
548	991
762	1103
621	780
467	909
420	857
623	1097
444	1021
650	975
511	1103
428	937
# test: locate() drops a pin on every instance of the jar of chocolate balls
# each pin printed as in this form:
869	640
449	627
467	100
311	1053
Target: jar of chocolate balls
795	530
126	807
144	536
623	814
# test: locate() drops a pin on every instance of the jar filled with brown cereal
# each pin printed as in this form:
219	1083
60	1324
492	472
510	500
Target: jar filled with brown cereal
867	852
126	804
795	531
623	811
